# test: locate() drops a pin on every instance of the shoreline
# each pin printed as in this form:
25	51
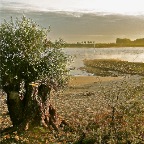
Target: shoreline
106	47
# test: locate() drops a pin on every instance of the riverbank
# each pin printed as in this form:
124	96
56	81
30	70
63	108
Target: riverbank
101	45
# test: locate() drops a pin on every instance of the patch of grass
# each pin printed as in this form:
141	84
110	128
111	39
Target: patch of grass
113	67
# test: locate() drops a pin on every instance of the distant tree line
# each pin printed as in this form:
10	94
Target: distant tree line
128	41
120	42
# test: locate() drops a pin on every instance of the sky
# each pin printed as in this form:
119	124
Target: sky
110	6
80	20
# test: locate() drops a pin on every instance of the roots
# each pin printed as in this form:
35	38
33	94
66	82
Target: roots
53	120
47	119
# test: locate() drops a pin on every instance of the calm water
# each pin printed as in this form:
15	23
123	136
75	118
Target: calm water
79	54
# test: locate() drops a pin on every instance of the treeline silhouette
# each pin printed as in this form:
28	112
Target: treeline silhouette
125	42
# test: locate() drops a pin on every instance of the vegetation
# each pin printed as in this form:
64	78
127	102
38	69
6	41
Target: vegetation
87	45
31	66
119	43
112	67
129	42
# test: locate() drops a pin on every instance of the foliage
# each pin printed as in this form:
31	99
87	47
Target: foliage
123	41
27	54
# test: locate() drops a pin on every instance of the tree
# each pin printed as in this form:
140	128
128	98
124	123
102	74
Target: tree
123	41
31	66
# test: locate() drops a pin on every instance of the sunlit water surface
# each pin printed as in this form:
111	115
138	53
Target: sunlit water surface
79	54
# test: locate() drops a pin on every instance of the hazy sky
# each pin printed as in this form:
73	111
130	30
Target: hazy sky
112	6
80	20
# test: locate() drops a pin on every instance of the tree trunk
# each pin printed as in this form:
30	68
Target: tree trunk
34	109
15	105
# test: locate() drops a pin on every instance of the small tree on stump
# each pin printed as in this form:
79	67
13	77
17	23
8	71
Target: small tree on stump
31	66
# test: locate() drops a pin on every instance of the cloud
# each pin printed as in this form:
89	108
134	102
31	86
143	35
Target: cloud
134	7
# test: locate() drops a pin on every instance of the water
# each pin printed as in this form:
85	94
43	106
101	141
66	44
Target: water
79	54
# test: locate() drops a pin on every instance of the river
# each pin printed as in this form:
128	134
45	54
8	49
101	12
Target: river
131	54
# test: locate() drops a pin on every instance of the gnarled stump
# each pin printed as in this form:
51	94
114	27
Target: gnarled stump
34	108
